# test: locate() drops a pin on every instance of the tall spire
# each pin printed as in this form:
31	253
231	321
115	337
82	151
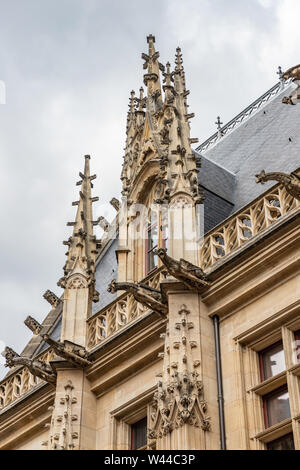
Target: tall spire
168	84
140	114
180	82
152	77
82	245
131	112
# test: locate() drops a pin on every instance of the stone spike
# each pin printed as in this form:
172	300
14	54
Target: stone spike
131	112
178	60
152	77
131	102
82	244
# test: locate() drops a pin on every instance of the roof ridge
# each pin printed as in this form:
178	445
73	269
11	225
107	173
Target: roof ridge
214	163
243	115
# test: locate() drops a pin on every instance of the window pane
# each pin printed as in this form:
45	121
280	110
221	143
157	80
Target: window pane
296	349
139	434
272	361
277	407
153	217
284	443
152	261
152	237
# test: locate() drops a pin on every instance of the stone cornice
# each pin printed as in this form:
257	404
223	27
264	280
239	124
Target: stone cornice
141	342
23	417
256	267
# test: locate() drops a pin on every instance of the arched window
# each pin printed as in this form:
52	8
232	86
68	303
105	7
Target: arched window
152	241
156	237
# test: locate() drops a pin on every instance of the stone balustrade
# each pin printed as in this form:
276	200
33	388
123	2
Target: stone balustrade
242	226
21	382
119	313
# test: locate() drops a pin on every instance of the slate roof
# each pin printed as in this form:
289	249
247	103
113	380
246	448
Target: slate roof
106	271
269	140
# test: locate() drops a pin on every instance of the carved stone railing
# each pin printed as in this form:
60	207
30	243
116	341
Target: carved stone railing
119	313
244	225
244	115
21	382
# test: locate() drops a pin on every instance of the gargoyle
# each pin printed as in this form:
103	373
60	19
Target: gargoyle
72	352
115	203
291	182
148	296
33	325
36	367
190	275
52	298
294	74
103	223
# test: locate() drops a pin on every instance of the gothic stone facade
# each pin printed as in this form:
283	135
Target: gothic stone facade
185	336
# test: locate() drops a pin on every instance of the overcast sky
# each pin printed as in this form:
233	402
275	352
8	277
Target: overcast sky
68	67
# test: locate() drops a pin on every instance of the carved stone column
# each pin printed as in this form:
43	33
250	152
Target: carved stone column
179	418
183	229
73	422
76	310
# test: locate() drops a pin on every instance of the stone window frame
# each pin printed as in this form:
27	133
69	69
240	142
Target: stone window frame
251	344
162	238
129	413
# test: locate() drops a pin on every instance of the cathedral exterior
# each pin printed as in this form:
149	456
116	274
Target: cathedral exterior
179	328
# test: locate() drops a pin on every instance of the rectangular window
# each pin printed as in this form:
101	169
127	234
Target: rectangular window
139	435
271	361
276	407
284	443
297	347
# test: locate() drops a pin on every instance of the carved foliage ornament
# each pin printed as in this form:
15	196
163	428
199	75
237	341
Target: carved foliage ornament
62	435
181	402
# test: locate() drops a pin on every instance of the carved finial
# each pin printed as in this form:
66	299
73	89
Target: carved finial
178	60
219	123
141	101
168	76
131	112
151	79
219	126
131	102
280	74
